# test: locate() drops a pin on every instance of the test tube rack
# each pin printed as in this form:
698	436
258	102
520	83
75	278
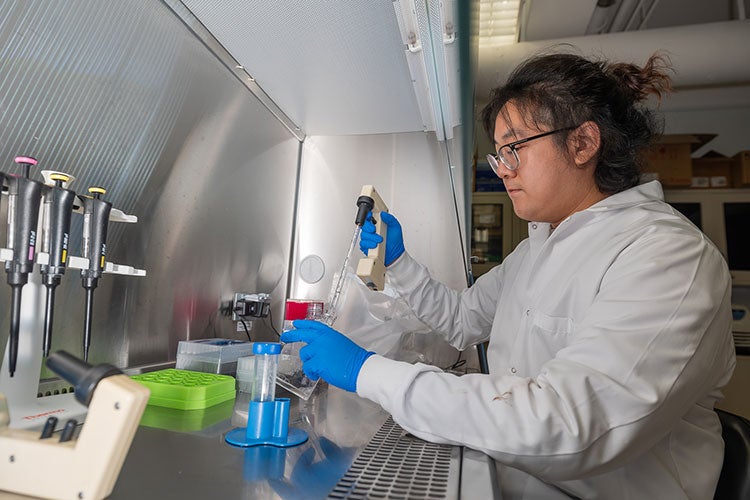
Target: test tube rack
267	416
267	424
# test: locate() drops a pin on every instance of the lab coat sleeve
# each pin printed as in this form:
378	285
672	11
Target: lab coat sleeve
655	340
464	318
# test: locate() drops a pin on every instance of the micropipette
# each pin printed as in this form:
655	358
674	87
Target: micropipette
58	207
24	196
95	220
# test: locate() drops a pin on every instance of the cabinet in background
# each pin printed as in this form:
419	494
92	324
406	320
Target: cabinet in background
495	230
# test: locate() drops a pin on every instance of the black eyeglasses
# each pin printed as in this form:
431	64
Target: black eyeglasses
508	155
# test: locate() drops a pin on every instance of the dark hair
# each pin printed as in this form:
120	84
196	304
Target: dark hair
564	90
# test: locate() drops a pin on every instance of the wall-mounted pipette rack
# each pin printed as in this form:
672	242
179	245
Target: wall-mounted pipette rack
39	219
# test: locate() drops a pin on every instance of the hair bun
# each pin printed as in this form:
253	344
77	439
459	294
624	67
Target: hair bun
639	83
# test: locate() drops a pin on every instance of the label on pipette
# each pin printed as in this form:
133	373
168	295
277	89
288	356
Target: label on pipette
32	244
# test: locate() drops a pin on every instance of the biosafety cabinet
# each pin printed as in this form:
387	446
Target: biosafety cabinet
239	134
232	140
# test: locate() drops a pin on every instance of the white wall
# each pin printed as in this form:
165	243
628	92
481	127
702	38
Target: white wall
411	174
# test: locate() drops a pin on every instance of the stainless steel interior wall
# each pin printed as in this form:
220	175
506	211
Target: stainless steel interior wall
411	173
123	95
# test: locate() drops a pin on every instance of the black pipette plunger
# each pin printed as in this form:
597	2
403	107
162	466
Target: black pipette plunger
95	220
24	196
364	205
58	203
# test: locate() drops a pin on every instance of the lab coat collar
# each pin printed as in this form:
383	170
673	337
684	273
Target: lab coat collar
540	232
643	193
650	191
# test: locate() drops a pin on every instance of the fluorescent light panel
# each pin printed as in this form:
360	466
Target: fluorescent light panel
498	22
423	29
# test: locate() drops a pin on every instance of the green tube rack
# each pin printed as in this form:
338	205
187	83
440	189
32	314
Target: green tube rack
187	390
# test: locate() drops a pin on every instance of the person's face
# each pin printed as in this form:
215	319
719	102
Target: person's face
550	183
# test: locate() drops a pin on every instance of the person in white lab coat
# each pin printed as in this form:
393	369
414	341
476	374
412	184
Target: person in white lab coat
609	328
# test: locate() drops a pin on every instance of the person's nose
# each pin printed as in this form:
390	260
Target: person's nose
507	173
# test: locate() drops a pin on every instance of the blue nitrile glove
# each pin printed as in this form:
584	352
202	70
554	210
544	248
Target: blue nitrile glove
328	354
394	238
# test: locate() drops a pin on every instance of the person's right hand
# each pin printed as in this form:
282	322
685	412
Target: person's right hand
394	239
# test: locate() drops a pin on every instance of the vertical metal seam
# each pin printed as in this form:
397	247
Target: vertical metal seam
291	272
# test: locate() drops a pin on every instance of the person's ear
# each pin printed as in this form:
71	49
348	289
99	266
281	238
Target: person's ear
585	142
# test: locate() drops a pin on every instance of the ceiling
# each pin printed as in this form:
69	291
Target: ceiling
706	41
551	19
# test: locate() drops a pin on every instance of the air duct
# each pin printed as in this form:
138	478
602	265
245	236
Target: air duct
703	55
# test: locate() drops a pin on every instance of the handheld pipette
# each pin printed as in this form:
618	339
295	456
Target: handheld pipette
371	270
95	221
58	207
24	196
329	317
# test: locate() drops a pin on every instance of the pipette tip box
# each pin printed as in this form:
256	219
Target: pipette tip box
211	355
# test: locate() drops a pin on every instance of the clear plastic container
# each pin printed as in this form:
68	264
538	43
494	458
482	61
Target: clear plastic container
211	355
264	372
291	376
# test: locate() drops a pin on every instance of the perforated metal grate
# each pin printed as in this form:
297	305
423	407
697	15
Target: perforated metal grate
397	465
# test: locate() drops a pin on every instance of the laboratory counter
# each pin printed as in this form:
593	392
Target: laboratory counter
354	450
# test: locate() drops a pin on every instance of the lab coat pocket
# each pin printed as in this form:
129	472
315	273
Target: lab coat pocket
549	334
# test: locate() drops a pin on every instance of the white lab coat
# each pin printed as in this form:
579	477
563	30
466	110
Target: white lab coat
610	341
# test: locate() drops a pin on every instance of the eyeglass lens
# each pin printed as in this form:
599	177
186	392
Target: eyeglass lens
507	156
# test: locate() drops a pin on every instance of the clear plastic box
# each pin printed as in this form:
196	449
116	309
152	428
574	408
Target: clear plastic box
290	375
212	355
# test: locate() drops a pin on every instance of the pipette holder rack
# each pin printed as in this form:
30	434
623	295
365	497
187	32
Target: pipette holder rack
83	468
267	424
25	409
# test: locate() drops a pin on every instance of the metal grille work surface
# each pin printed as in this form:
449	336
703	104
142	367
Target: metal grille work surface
397	465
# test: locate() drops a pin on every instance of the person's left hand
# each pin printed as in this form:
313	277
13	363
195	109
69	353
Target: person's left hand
328	354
